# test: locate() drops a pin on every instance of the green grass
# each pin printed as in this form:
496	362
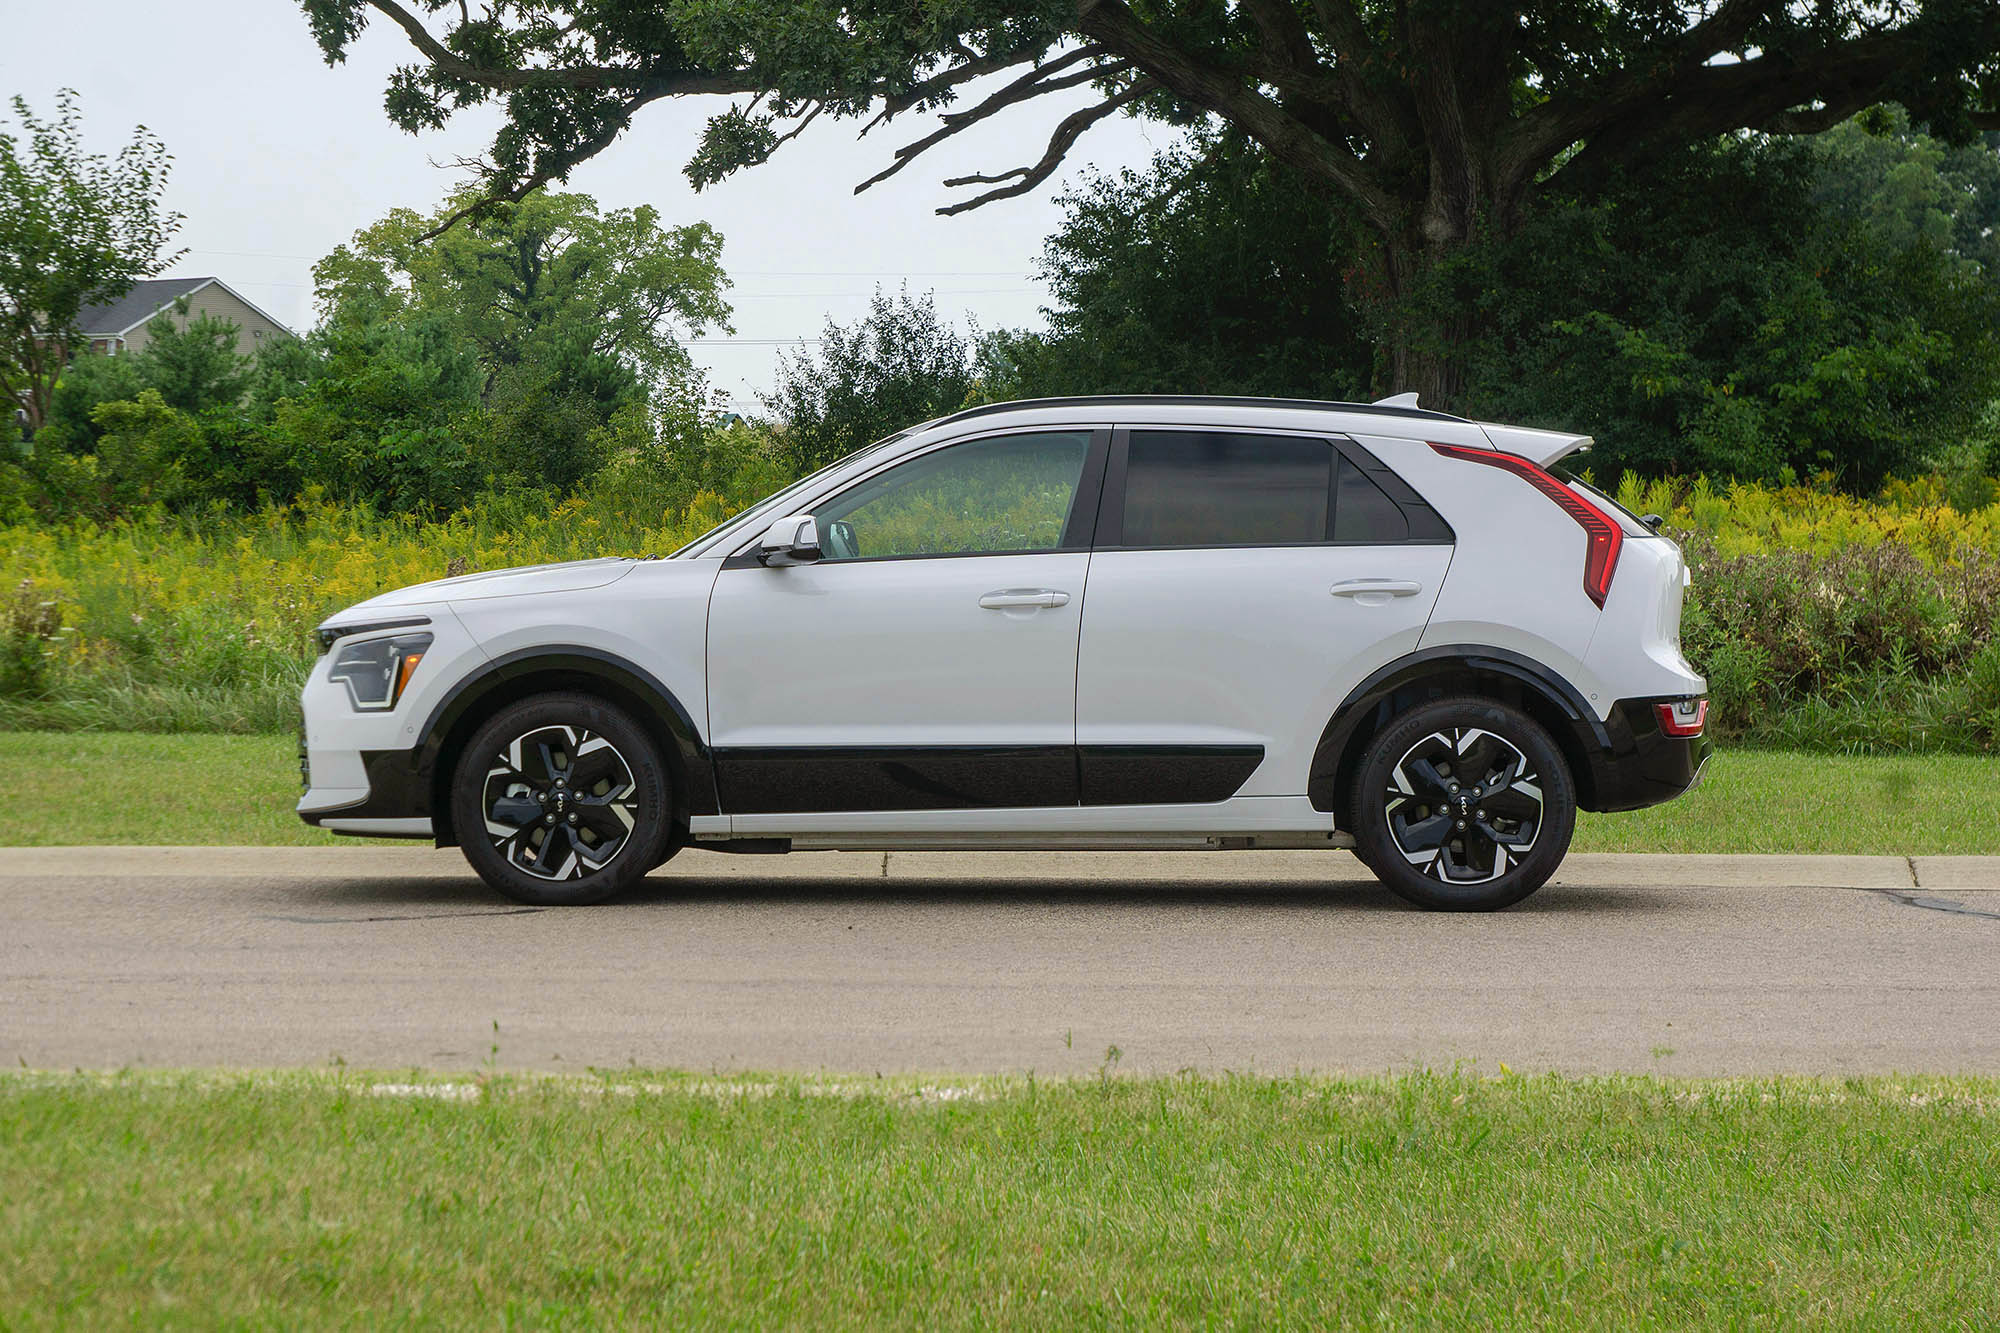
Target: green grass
280	1200
147	789
66	788
1786	801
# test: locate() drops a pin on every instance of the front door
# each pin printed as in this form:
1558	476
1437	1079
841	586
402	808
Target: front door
928	661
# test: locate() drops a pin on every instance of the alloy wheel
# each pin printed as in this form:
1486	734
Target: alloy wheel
559	802
1464	805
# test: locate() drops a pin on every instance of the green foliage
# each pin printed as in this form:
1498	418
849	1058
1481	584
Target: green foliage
1723	314
1211	272
896	367
1877	647
529	351
75	228
1747	308
547	280
195	367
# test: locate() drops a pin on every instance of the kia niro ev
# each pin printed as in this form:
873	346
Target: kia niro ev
1108	623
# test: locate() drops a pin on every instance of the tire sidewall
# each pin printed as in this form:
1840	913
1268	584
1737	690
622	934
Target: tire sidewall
1378	850
652	823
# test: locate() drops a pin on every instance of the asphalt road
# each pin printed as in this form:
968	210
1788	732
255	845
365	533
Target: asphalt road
855	963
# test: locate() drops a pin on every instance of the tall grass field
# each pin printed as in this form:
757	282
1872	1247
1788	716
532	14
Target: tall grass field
1822	621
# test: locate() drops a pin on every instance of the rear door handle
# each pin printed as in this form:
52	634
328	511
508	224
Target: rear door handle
1374	592
1004	599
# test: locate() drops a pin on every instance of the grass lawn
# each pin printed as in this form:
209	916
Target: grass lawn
148	789
294	1199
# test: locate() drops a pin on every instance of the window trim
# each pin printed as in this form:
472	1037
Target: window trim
1078	532
1111	519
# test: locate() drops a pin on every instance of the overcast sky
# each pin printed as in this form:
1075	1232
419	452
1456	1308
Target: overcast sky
279	158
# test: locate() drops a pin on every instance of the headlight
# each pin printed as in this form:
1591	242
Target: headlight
376	670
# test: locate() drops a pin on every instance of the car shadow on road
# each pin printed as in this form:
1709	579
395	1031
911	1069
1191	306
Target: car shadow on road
427	896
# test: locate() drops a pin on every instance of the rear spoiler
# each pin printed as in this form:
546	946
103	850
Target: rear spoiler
1543	448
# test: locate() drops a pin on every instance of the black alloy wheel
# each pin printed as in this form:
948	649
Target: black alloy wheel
562	799
1463	804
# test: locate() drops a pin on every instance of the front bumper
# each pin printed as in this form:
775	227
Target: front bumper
1643	766
352	782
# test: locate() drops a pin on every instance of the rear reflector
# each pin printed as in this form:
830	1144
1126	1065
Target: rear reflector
1683	719
1605	538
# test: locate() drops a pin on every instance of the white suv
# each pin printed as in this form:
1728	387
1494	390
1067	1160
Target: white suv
1141	622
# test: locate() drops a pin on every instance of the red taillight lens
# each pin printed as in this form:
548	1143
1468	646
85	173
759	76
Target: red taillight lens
1683	719
1605	538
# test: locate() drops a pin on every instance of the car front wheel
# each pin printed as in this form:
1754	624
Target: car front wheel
1463	805
561	800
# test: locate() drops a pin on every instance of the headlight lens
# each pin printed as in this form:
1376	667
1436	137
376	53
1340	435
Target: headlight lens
375	671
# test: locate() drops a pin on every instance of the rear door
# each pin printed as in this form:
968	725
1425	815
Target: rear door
1241	583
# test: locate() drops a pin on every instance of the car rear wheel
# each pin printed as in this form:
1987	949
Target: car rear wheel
561	800
1463	805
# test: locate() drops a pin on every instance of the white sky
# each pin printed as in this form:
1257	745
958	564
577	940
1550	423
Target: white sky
279	158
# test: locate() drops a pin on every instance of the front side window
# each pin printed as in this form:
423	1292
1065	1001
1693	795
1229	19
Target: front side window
1006	493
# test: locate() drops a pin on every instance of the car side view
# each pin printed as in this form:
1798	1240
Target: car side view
1087	623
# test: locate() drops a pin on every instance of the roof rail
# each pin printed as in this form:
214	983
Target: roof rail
1387	408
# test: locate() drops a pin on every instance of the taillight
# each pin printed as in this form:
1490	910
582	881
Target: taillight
1605	538
1682	719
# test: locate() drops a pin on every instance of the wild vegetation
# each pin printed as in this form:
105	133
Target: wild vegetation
1824	621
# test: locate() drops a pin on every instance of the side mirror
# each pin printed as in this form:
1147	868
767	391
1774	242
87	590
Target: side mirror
790	541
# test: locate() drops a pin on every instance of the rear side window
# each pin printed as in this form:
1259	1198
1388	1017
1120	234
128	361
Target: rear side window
1218	488
1206	488
1362	512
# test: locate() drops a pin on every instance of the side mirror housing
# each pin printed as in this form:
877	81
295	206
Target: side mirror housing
790	541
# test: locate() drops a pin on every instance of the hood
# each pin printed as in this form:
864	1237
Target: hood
569	576
1543	448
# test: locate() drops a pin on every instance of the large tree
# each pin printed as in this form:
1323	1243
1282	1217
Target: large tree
544	278
1439	120
75	228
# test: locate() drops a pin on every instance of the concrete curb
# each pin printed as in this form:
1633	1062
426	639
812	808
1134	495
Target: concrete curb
1580	870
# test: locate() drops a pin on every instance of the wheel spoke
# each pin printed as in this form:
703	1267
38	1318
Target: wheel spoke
516	812
1423	834
609	817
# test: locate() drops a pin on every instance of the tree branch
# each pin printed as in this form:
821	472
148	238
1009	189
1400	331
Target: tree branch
555	168
945	80
1066	134
1285	135
1029	86
585	77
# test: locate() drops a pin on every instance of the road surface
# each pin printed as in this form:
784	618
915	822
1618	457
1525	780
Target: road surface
854	963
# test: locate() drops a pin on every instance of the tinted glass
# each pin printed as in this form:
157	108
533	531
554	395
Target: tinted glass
1363	512
1007	493
1206	488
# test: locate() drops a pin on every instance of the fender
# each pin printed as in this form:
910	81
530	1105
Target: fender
415	782
1582	735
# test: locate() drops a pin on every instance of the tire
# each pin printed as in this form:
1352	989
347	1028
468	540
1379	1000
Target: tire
1463	805
562	800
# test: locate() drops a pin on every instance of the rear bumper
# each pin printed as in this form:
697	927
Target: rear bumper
1642	766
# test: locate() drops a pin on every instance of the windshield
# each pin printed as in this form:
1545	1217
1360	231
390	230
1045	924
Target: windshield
770	503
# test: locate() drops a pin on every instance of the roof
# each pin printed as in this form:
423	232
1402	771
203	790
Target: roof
1387	408
148	297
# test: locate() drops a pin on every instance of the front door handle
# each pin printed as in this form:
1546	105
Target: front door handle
1376	592
1006	599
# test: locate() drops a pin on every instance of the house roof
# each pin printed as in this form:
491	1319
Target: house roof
112	319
